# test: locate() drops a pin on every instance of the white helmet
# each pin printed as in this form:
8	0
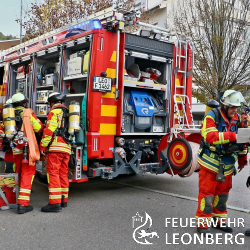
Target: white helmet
19	99
9	100
233	98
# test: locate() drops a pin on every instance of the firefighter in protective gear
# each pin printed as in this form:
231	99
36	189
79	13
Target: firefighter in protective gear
245	118
26	171
54	140
214	153
10	166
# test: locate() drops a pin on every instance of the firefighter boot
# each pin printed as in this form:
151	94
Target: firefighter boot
24	209
52	208
224	227
63	204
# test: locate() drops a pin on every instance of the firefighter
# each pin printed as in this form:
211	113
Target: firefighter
26	171
10	166
217	155
245	118
55	142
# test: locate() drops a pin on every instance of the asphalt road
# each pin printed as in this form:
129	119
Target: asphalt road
99	216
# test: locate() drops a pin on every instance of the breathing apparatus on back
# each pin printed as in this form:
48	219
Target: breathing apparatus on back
70	124
19	100
211	104
74	119
228	98
9	121
12	119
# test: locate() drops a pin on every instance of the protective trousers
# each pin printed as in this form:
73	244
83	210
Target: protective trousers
57	174
18	161
10	166
212	199
26	176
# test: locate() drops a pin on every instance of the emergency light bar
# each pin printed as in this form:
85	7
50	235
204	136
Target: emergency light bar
94	24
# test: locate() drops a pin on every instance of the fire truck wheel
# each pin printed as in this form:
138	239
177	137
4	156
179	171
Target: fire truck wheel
179	153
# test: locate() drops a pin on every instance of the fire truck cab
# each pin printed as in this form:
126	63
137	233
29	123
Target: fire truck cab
134	92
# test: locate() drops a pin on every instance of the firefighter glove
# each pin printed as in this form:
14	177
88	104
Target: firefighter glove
235	171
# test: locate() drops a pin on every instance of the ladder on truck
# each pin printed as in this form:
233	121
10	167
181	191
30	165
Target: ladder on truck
105	16
181	101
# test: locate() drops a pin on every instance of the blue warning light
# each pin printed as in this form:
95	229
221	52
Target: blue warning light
94	24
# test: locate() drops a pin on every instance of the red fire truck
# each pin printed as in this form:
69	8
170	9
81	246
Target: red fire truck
134	91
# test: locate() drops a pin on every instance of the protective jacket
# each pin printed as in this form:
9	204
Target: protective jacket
51	137
216	137
26	171
58	157
35	122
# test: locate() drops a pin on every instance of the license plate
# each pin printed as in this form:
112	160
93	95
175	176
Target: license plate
158	129
102	84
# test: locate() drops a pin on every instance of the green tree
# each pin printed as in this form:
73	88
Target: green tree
221	36
8	37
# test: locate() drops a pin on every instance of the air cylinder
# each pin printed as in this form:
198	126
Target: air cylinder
74	118
9	120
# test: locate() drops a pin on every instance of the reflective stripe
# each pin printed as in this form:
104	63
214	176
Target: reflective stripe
25	190
219	215
55	189
22	197
235	156
55	197
221	137
60	144
244	152
215	169
228	172
59	149
17	153
216	162
207	165
65	189
46	140
35	122
52	125
209	218
228	166
213	129
32	179
48	122
65	195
